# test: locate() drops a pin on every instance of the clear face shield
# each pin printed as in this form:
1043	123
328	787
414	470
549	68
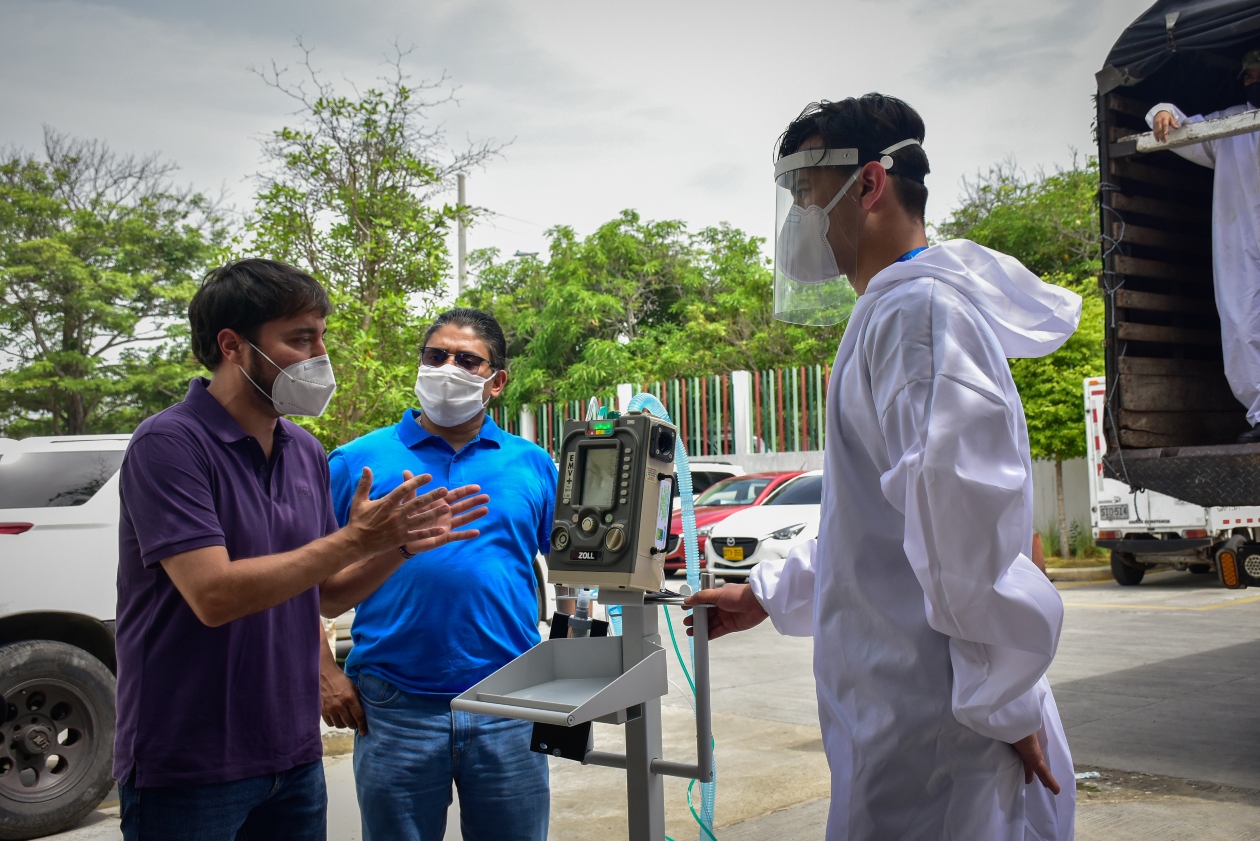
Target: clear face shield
809	285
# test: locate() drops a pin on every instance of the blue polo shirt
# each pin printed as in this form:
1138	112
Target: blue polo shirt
449	617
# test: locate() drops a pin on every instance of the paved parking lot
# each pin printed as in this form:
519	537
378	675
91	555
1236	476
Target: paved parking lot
1157	685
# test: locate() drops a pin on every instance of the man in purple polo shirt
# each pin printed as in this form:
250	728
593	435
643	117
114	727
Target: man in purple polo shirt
227	531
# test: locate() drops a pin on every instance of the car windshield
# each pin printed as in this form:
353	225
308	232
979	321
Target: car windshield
807	490
702	480
738	491
54	480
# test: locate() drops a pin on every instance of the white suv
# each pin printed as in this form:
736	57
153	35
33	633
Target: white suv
58	571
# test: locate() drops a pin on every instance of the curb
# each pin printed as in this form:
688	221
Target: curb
1080	574
338	742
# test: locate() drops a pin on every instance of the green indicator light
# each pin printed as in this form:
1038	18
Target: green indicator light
601	428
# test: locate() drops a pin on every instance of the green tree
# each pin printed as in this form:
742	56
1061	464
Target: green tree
637	300
350	195
1050	223
99	256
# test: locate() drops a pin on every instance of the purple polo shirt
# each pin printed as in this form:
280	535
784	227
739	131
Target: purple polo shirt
199	705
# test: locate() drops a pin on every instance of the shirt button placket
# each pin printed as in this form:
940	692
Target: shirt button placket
456	469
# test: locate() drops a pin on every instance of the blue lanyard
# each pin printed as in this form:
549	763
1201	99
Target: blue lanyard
911	254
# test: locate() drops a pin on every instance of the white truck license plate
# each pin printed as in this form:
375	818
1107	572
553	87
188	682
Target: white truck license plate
1114	512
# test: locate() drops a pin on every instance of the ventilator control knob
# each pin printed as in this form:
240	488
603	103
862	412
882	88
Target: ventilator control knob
559	537
588	524
615	539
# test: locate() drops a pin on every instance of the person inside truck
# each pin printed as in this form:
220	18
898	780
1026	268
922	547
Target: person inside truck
932	627
1235	233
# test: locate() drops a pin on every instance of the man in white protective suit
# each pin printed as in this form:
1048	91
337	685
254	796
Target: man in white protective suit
932	628
1235	235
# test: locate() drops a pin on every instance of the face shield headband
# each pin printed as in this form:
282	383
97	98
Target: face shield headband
809	287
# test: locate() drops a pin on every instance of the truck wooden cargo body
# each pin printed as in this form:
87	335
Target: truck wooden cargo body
1172	422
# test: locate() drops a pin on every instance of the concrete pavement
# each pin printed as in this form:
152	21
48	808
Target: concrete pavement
1159	689
1157	685
1163	678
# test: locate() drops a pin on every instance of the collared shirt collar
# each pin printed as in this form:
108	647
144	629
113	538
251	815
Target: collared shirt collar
412	434
217	419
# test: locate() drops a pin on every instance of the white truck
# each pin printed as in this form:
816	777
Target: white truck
1144	529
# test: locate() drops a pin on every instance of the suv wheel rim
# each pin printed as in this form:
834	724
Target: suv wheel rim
47	741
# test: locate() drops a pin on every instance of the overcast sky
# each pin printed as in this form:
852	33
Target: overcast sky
670	108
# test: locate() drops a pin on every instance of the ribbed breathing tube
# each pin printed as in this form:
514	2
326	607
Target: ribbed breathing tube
649	403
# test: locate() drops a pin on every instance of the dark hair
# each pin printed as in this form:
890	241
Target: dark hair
243	296
483	324
869	124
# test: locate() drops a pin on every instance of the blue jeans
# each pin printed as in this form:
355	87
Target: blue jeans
417	746
289	806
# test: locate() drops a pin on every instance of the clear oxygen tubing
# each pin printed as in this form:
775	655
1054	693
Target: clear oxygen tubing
649	403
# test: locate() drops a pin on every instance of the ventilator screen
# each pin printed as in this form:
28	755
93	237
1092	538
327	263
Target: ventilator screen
598	477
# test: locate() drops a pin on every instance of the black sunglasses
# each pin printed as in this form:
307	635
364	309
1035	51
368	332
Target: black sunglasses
435	357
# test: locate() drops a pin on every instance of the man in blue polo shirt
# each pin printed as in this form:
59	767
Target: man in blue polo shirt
226	533
449	619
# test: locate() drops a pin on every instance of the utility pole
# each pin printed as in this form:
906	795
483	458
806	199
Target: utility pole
462	267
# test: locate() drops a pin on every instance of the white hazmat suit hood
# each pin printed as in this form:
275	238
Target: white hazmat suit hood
1031	318
932	628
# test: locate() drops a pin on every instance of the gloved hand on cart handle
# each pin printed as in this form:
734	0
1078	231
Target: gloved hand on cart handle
733	608
1164	121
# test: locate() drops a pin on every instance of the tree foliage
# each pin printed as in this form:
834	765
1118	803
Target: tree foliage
635	301
1050	223
351	195
99	256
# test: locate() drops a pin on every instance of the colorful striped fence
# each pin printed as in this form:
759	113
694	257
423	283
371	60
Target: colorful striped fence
789	408
786	412
703	410
549	420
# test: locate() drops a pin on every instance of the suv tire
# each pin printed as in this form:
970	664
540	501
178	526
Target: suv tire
1125	569
57	750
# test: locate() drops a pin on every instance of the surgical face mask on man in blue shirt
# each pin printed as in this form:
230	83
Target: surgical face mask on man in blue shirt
450	395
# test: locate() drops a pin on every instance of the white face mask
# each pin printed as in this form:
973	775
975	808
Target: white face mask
304	388
803	252
449	395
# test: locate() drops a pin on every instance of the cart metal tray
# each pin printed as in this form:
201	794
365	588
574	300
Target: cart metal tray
568	682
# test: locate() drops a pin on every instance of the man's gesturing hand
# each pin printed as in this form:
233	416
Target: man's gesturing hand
1164	121
1029	750
462	506
735	608
399	517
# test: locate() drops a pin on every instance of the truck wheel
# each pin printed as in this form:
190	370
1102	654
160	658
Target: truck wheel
1125	570
1200	569
58	737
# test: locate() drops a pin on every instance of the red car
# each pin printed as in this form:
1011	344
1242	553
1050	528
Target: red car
716	504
